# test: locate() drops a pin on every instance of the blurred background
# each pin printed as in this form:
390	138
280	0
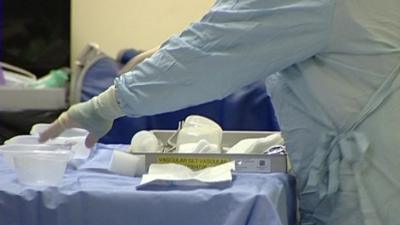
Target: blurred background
35	35
39	35
43	35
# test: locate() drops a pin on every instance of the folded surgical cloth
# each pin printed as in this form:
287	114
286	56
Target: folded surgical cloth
175	176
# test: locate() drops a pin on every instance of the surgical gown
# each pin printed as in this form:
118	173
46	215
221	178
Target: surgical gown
332	70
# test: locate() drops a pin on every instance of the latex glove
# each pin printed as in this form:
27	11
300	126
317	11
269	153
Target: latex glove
96	116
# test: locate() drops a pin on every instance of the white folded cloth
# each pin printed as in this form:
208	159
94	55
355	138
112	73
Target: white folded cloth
176	175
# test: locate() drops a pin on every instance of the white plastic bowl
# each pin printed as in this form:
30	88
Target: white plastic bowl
37	164
198	128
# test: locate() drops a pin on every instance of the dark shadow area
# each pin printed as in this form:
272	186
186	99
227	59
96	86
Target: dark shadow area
35	36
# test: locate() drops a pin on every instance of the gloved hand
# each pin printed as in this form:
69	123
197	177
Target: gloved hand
96	116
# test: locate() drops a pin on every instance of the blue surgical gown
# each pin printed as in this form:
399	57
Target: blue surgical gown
332	70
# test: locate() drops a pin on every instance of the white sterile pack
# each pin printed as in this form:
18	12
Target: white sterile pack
176	175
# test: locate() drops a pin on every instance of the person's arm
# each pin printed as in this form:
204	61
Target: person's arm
95	115
235	44
138	59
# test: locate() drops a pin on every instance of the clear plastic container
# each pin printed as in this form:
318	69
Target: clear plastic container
75	144
37	164
71	132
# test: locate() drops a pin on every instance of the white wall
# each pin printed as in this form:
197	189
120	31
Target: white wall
142	24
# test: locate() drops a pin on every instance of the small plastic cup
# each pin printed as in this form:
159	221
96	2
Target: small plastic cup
41	168
37	164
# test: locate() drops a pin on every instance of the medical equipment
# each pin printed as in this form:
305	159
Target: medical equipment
199	143
200	130
271	161
202	146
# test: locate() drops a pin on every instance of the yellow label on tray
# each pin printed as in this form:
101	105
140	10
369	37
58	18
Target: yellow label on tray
193	163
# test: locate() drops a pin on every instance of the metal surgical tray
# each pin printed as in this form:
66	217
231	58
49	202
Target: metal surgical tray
259	163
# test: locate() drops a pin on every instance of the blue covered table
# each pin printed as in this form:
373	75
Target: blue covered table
91	195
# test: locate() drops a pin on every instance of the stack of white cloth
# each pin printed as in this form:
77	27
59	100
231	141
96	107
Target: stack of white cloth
175	175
